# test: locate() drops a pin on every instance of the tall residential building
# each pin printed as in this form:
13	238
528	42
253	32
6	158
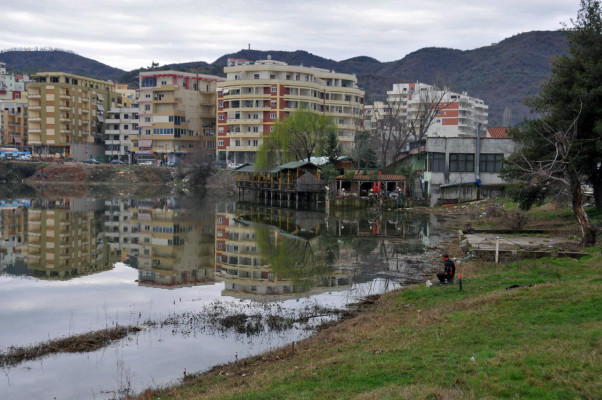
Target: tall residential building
121	127
66	113
458	113
13	123
257	95
177	116
12	86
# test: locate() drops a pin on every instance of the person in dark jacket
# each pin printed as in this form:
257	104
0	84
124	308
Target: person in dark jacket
449	270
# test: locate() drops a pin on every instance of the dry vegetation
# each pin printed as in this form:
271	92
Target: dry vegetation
85	342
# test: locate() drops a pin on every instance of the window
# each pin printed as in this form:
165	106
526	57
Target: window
461	162
220	143
149	82
255	143
220	117
438	162
256	129
237	143
147	119
256	76
490	162
220	129
273	103
272	115
221	103
274	89
147	107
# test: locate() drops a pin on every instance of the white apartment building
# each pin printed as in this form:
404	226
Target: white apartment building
12	87
121	125
458	113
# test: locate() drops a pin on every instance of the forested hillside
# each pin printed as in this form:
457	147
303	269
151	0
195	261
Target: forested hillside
502	74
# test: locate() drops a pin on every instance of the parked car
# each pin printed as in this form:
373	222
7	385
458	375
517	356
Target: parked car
145	163
117	162
91	161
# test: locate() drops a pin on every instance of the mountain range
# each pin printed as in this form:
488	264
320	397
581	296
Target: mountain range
503	74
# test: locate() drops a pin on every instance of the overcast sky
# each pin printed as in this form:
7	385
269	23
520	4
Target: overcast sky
129	34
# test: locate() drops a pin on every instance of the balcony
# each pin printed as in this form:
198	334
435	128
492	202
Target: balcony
166	100
165	88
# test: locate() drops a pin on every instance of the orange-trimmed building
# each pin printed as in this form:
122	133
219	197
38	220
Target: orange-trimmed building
257	95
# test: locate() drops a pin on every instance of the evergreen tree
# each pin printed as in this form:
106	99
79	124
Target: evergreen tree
575	88
565	144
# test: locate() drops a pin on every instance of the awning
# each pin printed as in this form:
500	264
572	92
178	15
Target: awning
144	152
145	143
100	107
17	139
99	97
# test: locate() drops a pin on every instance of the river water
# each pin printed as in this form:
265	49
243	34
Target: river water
202	278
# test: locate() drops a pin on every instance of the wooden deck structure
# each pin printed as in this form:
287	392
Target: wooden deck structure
294	181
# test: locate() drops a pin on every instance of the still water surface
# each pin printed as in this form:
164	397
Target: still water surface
174	266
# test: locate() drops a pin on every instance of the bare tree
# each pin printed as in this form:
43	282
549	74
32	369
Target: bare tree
557	167
428	105
406	116
389	128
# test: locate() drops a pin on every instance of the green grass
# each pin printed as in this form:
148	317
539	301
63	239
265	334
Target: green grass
539	342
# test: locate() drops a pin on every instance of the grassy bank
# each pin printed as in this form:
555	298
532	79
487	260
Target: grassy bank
540	341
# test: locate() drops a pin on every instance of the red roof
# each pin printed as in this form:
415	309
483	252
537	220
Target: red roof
497	132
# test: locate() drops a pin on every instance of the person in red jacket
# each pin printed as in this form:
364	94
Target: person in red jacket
449	270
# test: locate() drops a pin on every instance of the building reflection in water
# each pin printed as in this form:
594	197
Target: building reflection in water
13	236
173	245
258	251
263	251
65	238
